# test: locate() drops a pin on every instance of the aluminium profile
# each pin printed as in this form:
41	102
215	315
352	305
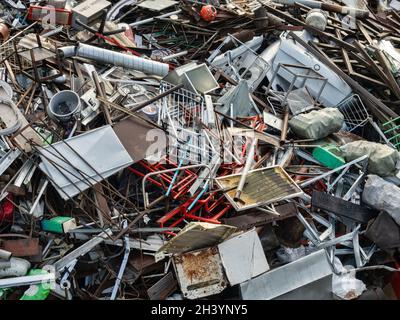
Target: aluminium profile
27	280
80	251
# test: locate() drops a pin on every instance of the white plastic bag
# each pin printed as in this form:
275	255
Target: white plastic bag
346	286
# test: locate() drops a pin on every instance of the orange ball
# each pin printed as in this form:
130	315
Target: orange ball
208	13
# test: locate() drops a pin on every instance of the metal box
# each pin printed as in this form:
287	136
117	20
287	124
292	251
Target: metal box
200	273
88	11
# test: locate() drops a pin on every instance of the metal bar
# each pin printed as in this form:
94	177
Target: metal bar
80	251
123	264
26	280
326	174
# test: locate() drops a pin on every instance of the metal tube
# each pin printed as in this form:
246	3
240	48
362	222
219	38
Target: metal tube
115	58
326	174
175	55
138	23
249	162
285	126
123	264
26	280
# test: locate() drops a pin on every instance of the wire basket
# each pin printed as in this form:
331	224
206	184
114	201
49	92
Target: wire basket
184	115
354	111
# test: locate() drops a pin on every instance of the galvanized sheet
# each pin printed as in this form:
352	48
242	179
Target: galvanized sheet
243	257
100	148
287	278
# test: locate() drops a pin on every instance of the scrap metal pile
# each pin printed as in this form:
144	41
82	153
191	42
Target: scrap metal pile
199	149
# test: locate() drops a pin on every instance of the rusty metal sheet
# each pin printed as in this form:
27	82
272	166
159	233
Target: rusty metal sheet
200	273
22	247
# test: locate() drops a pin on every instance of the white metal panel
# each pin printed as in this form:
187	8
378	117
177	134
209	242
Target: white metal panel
243	257
287	278
96	152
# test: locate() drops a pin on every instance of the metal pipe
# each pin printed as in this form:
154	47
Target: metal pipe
326	174
285	126
138	23
145	200
26	280
249	162
115	58
175	55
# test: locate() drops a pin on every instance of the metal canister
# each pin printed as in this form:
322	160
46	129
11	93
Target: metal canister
317	18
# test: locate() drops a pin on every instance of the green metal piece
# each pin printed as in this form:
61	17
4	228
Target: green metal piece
36	291
391	131
58	224
390	121
329	155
